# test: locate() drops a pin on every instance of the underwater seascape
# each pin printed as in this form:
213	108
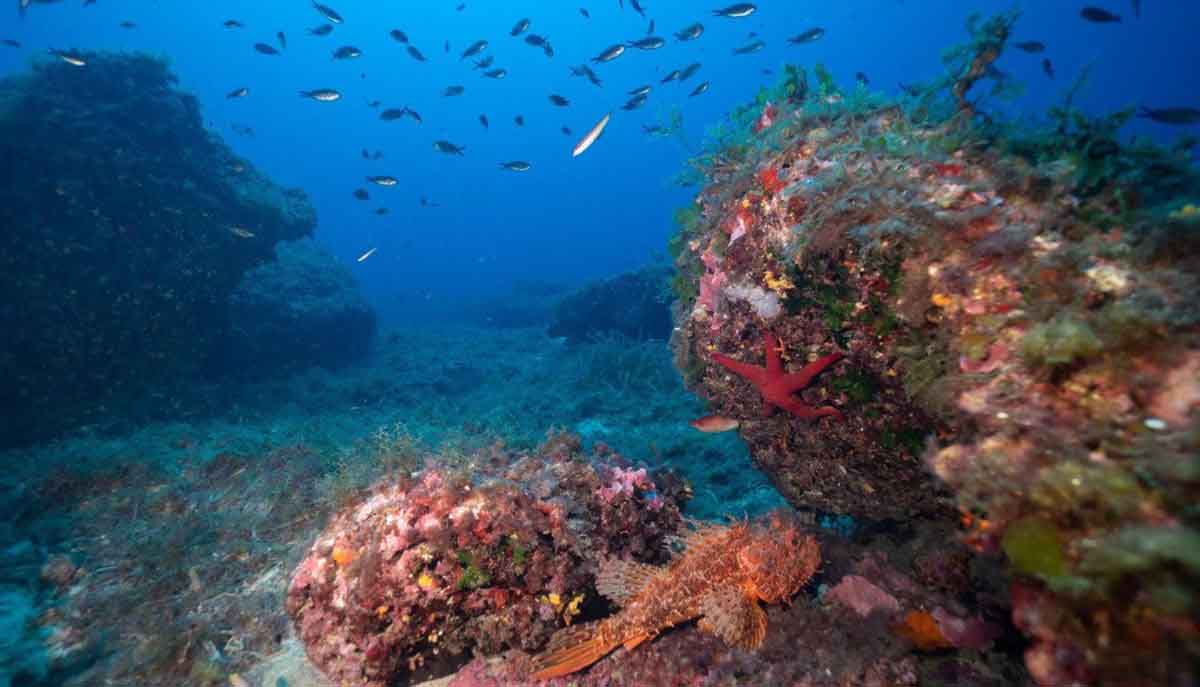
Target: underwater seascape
614	343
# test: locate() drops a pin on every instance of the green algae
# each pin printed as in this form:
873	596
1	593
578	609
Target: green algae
858	385
473	577
1034	547
1060	341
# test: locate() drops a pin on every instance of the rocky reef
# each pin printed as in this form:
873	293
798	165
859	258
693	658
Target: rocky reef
303	308
635	305
128	226
999	329
423	571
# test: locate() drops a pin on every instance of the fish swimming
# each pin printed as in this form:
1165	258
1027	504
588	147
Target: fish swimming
238	93
392	113
448	148
714	423
749	48
641	90
690	33
325	95
452	91
702	88
689	71
346	52
516	166
398	36
483	120
634	103
1031	46
558	100
71	58
720	578
496	73
361	194
328	13
416	54
383	180
1099	16
809	36
672	76
741	9
590	137
322	30
474	49
648	43
519	27
266	49
282	40
609	54
366	255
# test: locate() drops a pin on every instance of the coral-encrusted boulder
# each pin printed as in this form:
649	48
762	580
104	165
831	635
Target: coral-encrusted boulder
1020	339
422	572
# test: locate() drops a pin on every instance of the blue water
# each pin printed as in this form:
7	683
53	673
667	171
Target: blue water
567	219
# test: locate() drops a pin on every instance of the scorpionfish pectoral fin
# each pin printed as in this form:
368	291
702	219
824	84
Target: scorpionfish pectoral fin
734	616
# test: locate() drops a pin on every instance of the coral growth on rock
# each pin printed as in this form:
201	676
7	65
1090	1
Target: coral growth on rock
127	227
1020	340
422	571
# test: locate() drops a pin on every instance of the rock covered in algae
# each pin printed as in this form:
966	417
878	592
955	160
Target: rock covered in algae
1021	342
422	571
127	226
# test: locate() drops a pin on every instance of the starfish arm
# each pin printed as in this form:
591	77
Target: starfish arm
771	347
753	374
800	380
805	412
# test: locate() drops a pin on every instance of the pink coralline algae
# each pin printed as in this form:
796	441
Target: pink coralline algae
425	569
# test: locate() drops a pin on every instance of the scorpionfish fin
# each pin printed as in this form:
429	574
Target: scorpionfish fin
734	616
621	580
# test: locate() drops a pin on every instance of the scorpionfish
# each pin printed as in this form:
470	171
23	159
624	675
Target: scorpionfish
720	577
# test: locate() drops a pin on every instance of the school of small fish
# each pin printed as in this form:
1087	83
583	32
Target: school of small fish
476	54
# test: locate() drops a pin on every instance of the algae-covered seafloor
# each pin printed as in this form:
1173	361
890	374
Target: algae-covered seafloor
961	359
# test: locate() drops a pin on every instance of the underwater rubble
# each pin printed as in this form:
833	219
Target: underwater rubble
128	226
997	328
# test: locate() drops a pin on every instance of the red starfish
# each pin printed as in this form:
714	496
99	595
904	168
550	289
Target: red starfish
777	386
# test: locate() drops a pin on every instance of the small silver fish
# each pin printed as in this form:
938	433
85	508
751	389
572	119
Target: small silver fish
516	166
591	136
325	95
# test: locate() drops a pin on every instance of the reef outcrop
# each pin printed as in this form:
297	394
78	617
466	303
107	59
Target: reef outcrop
635	305
1020	341
303	308
421	572
128	225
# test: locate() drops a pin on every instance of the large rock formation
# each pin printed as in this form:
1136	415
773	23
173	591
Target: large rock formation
127	225
304	308
1019	335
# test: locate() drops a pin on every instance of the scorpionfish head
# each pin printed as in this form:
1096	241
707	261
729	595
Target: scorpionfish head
779	559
